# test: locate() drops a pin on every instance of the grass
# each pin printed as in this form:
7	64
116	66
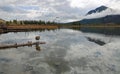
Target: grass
30	27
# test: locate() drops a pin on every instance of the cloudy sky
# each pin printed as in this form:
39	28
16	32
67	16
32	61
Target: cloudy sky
52	10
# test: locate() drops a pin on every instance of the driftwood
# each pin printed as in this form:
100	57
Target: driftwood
21	45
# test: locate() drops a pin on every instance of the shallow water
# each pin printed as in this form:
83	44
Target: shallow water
66	52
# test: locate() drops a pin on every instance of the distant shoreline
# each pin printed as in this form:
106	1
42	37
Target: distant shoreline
19	28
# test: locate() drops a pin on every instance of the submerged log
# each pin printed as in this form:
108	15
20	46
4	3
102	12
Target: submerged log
21	45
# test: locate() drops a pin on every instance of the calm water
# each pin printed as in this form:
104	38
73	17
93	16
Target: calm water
102	30
66	51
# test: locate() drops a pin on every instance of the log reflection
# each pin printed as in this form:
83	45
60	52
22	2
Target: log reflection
37	46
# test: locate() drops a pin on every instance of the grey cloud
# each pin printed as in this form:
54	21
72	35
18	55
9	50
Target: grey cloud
42	9
7	8
62	10
12	9
48	8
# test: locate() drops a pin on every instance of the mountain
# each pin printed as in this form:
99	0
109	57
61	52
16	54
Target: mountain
103	20
99	9
102	15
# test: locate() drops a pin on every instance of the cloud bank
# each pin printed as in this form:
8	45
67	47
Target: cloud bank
108	11
66	10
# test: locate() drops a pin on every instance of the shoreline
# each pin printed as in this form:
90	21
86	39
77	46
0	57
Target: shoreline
22	28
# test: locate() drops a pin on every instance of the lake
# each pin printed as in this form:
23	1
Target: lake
101	30
66	51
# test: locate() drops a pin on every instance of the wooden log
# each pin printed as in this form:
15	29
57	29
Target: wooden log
21	45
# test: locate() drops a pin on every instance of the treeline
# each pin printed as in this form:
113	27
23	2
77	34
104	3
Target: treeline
30	22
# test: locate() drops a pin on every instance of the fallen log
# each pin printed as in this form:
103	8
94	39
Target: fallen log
21	45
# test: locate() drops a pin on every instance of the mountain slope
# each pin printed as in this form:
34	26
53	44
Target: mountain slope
2	21
107	19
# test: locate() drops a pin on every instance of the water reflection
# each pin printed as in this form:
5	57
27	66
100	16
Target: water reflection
66	52
101	30
38	47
